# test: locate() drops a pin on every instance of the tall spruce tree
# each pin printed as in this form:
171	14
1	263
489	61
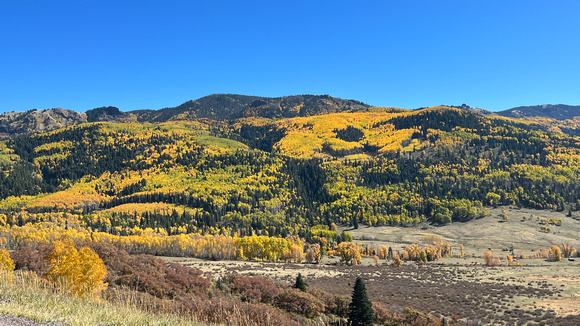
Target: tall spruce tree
361	308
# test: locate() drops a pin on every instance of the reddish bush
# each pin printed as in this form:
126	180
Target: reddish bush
294	300
383	316
149	274
254	289
29	259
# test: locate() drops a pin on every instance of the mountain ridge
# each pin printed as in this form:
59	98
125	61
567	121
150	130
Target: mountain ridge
554	111
234	106
230	107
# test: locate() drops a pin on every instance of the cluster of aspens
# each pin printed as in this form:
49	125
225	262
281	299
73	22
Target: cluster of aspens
76	272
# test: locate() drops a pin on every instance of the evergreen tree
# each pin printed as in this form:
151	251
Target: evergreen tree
300	284
361	308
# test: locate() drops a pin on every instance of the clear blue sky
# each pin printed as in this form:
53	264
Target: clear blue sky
144	54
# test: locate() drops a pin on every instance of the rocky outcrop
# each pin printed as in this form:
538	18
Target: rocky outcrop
13	123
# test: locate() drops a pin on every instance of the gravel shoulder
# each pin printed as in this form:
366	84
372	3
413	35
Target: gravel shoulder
6	320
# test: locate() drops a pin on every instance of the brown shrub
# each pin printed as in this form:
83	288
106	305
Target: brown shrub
254	289
490	259
333	303
29	259
542	253
383	316
294	300
567	250
417	318
149	274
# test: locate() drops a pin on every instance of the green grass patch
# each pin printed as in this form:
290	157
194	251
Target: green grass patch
225	143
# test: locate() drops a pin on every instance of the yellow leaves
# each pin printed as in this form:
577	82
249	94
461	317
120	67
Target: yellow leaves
61	145
6	266
556	253
80	273
349	253
267	248
309	136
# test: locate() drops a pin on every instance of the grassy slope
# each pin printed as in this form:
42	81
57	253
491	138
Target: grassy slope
29	298
480	234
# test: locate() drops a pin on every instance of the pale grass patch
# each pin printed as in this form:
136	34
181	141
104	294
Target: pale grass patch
33	298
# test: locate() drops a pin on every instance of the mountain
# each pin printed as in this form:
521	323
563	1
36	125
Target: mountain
34	120
380	167
216	107
231	106
479	111
110	114
557	111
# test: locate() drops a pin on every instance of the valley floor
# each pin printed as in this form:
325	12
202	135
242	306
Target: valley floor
539	292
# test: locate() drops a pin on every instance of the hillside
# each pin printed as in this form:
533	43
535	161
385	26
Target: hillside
287	190
558	111
231	106
387	167
218	107
228	108
109	114
35	120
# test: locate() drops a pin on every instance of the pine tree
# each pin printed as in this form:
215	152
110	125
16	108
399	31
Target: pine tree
361	308
300	284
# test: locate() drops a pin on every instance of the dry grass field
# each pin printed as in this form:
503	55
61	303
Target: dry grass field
488	233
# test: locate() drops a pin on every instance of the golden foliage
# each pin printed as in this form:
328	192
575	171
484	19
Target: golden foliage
397	262
349	253
6	265
556	253
80	273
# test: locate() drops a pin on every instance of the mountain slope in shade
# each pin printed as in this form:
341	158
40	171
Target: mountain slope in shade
109	114
231	106
557	111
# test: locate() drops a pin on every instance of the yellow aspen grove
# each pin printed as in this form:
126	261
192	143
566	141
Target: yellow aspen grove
6	266
80	273
349	253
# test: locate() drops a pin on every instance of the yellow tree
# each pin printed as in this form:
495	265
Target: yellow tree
6	265
556	253
348	253
80	273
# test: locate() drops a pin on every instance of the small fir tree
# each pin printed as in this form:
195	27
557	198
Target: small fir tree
361	308
300	284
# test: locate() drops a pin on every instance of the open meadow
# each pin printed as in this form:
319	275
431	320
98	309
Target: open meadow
535	292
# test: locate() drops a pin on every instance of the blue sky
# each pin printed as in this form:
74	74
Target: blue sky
149	54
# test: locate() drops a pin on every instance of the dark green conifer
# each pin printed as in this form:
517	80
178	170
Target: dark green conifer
361	308
300	284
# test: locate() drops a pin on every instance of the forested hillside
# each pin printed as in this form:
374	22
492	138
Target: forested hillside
282	177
